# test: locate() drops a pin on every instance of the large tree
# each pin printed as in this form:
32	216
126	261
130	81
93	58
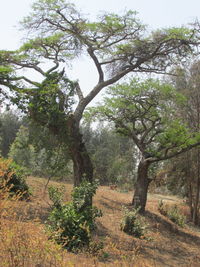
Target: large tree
117	45
146	111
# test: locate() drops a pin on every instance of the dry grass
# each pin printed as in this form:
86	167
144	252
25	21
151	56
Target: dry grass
23	241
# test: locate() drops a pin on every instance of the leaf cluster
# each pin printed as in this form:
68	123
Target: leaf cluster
49	104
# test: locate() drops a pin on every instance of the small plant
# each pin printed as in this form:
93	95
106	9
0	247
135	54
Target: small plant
176	217
104	256
12	177
162	208
133	223
95	248
72	223
173	213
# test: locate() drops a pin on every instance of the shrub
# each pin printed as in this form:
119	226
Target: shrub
133	223
173	213
162	208
71	224
12	177
176	217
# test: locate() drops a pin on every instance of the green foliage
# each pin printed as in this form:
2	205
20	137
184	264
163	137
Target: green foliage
9	126
111	154
176	217
133	223
146	112
173	213
40	156
4	70
12	177
177	134
21	151
56	195
72	223
181	33
49	102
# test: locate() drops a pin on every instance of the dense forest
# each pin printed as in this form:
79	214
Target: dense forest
71	171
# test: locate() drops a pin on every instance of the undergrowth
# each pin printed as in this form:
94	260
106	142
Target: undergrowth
173	213
72	223
12	177
133	223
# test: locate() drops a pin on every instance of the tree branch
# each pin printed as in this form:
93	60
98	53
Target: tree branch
78	91
97	64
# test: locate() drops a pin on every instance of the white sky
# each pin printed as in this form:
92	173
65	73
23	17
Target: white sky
155	13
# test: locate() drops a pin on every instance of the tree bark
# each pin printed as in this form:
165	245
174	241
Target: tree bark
82	164
141	186
195	217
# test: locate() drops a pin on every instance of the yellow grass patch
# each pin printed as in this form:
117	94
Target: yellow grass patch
25	243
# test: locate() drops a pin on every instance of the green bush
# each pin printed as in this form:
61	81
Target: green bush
12	177
133	224
71	224
173	213
175	216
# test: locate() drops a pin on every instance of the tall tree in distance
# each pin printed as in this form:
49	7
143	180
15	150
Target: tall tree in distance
116	44
9	126
146	112
187	81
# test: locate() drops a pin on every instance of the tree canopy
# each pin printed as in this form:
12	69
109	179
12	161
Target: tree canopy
146	111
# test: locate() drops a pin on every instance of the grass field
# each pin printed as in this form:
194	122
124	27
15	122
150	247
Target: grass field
25	243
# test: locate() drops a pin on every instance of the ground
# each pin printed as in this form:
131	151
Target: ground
165	245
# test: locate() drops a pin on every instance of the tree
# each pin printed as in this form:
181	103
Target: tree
112	155
9	126
146	112
117	45
187	81
21	151
38	154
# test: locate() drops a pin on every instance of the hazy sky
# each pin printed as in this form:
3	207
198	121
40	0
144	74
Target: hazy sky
155	13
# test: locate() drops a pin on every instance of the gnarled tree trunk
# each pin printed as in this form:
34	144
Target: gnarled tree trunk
82	164
141	186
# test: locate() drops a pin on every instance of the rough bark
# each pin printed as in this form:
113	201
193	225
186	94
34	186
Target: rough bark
141	186
82	164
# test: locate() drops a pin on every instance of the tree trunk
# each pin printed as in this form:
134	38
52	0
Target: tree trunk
195	217
141	186
189	182
82	164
